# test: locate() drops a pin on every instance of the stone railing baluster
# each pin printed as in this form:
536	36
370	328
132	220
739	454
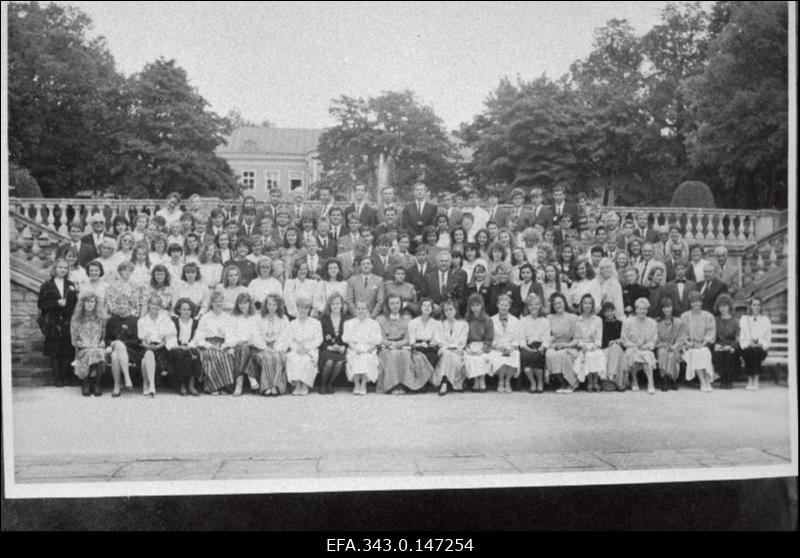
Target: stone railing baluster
51	216
689	234
721	226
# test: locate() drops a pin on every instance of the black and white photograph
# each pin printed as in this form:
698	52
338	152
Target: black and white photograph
338	247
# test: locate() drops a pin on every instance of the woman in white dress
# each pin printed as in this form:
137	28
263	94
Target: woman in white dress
230	288
584	284
590	364
210	265
452	341
480	338
639	338
140	275
243	340
154	328
423	332
560	357
264	284
194	288
535	340
701	332
609	287
302	286
363	337
110	258
158	250
96	281
271	361
755	336
508	337
301	343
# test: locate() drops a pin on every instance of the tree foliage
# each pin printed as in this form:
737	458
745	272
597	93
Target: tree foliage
693	193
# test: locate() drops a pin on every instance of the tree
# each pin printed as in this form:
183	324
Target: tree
740	103
169	141
692	193
21	183
236	120
394	131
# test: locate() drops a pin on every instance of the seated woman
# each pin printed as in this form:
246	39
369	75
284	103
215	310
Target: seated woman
535	340
477	361
399	287
87	331
726	348
612	346
332	353
701	331
423	334
452	340
508	337
590	364
363	336
755	336
210	335
183	358
122	342
154	329
669	345
301	342
639	337
271	361
563	351
243	341
396	373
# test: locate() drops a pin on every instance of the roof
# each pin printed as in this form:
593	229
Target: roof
259	139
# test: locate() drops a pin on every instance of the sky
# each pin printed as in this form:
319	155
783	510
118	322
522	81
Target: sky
285	61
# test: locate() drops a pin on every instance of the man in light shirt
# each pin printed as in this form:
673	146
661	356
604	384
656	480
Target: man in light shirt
479	215
171	213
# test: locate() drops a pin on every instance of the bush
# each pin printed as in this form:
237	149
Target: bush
693	193
21	183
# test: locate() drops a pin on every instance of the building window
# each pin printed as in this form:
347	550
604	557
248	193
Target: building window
272	180
248	179
295	180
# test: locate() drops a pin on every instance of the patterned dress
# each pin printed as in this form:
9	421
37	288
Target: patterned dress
671	339
88	340
560	361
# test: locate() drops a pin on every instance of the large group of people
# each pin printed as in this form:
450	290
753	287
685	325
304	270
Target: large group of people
284	297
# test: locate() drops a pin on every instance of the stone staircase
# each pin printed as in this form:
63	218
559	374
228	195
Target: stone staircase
29	367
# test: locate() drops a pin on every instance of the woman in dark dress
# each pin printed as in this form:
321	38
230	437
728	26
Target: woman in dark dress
57	299
183	358
122	340
332	352
725	355
611	344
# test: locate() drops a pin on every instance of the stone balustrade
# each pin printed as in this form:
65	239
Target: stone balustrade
768	254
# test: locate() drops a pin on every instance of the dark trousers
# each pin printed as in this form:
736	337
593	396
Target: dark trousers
726	364
753	358
183	364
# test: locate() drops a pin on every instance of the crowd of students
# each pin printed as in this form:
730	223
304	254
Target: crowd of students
285	297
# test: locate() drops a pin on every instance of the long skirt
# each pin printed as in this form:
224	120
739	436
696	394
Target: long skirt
217	369
636	357
425	360
302	368
726	364
272	368
499	360
669	363
753	357
477	365
450	366
184	363
561	362
85	358
367	364
615	364
243	362
698	359
531	358
590	362
396	369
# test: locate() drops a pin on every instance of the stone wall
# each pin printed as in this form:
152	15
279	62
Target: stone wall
29	367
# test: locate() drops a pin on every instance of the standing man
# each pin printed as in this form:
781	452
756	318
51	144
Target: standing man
561	207
388	200
727	271
419	213
518	211
326	202
479	215
365	286
443	283
366	214
325	240
540	214
383	263
298	210
90	244
679	287
710	288
493	207
447	208
643	229
271	210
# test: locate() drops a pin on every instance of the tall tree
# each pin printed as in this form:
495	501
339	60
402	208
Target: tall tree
740	103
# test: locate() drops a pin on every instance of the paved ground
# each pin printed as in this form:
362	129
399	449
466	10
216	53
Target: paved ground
60	436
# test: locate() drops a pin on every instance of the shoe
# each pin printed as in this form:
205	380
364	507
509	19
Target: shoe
58	382
635	387
115	394
193	391
86	387
253	383
97	390
443	390
239	385
651	390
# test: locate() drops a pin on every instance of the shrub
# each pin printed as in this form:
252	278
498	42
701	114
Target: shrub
693	193
21	183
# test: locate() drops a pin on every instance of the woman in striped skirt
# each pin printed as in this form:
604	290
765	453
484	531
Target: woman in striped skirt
271	361
243	341
209	337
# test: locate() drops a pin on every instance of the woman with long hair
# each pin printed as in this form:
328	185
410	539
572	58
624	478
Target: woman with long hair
210	265
482	243
458	238
560	357
590	364
155	329
211	333
701	332
671	338
755	337
396	372
480	338
264	284
301	285
301	342
363	337
224	248
292	249
535	340
243	341
609	287
77	275
87	328
160	286
230	288
471	259
158	250
725	355
194	288
497	258
399	287
333	282
140	260
333	351
182	357
567	260
550	285
621	263
423	336
452	341
612	346
140	227
584	284
271	360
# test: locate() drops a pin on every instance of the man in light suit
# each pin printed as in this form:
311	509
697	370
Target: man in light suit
727	271
711	287
367	215
540	214
679	288
443	284
447	209
298	210
418	214
518	211
365	286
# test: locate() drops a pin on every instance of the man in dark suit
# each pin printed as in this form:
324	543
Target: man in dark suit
326	202
517	210
76	241
503	286
540	214
561	207
367	215
271	209
418	214
443	284
90	244
298	210
711	287
643	229
672	264
249	227
325	240
416	273
383	263
447	209
679	288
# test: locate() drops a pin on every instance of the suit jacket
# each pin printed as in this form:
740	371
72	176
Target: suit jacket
509	289
330	249
714	288
455	289
472	289
569	209
88	251
55	319
330	335
729	275
271	211
525	217
650	234
317	271
372	293
346	243
680	304
631	293
297	216
544	217
385	271
495	213
242	232
670	265
453	216
368	216
413	222
416	278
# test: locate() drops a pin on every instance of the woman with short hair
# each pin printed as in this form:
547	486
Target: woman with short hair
423	335
154	329
363	337
584	284
612	346
562	353
701	331
400	287
396	372
301	342
264	284
86	330
194	288
231	287
301	285
536	338
726	347
122	340
639	337
671	340
183	358
755	337
508	336
452	341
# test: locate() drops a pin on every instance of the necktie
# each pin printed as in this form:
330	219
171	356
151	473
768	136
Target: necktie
703	289
366	281
419	209
443	283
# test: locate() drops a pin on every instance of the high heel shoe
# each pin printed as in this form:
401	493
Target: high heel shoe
86	387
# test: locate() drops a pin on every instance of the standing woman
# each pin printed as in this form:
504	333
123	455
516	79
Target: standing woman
77	275
109	258
669	345
726	348
654	283
332	354
471	260
458	239
621	263
194	288
158	250
567	262
423	334
271	361
590	365
701	331
125	244
183	358
160	287
301	341
562	353
755	336
399	287
508	337
95	282
639	337
528	284
363	337
452	341
243	341
482	244
87	332
140	227
535	339
301	286
122	340
264	284
333	282
551	285
697	263
612	346
292	251
210	335
57	299
140	274
395	356
211	265
223	242
155	329
123	286
584	284
480	338
230	288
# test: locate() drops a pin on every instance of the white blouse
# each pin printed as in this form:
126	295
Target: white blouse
259	288
244	329
210	325
453	336
197	292
211	274
296	289
271	328
589	333
306	334
418	330
508	334
752	328
362	335
159	330
536	330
